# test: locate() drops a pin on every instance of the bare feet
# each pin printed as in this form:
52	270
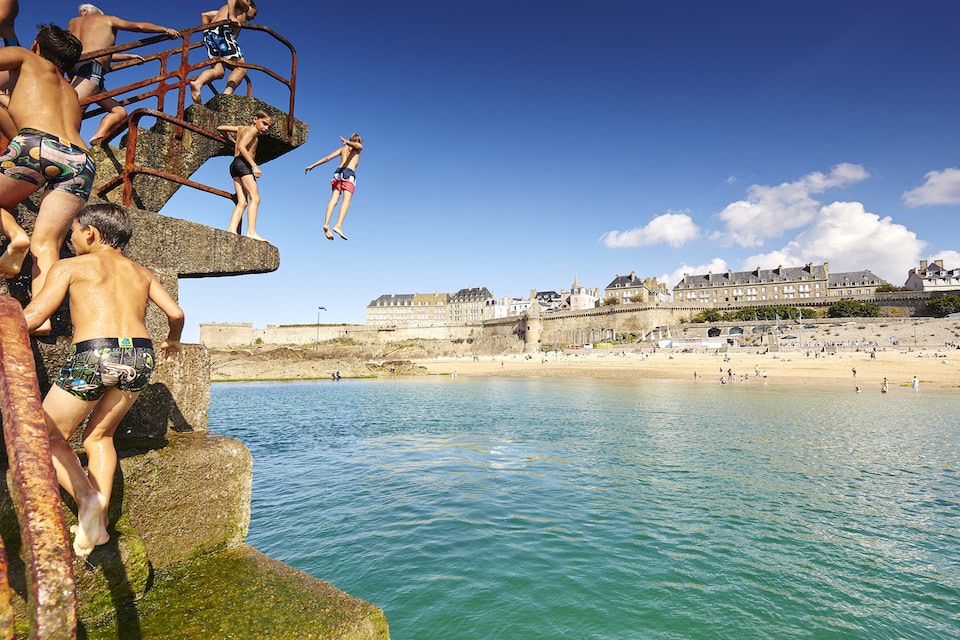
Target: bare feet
194	91
256	236
326	232
337	231
233	231
95	141
12	259
90	531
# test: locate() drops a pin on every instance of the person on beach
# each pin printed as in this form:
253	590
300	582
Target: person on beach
97	31
915	384
110	361
245	171
883	387
344	181
47	153
221	43
8	38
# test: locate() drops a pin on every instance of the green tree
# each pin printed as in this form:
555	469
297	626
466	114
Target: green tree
611	300
853	309
943	305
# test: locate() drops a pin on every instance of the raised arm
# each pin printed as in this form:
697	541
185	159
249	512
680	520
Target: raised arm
353	145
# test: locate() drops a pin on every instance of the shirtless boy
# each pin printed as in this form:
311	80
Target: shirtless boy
8	38
48	153
221	43
110	361
95	32
344	181
245	171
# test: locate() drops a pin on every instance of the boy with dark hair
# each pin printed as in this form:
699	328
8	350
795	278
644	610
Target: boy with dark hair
110	361
48	153
245	171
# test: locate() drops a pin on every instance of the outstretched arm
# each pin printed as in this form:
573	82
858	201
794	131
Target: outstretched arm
143	27
323	159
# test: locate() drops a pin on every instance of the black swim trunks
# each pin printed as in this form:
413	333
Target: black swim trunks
43	159
88	70
240	167
95	366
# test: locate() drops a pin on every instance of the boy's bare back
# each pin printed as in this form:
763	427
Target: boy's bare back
41	98
108	292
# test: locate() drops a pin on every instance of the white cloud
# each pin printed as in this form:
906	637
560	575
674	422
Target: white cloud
769	211
717	265
850	239
941	187
674	229
951	259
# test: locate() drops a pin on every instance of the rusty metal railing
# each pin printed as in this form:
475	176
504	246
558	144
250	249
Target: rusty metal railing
33	484
174	77
131	169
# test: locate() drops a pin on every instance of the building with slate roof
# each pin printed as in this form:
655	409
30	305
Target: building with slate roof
408	310
631	289
933	276
759	285
854	283
466	305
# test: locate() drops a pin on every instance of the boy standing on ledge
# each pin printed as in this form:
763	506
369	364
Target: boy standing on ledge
110	361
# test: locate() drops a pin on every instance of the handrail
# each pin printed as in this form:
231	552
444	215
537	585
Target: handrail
131	169
175	78
33	484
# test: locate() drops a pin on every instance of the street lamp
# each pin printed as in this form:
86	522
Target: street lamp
319	309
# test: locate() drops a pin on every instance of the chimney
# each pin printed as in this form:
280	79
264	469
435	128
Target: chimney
923	265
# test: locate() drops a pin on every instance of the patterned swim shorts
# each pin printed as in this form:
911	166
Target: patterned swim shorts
94	366
42	159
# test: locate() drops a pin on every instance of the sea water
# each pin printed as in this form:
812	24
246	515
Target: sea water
575	509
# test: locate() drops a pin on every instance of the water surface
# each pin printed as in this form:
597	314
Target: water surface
531	508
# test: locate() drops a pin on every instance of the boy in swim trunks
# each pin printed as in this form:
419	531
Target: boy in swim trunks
97	31
47	154
344	181
110	361
8	38
221	43
245	171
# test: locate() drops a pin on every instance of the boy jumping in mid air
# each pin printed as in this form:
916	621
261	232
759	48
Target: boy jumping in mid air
344	181
110	361
244	171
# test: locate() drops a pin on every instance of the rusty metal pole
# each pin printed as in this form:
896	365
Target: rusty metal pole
45	545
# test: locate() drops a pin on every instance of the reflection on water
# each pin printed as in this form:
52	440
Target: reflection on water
529	508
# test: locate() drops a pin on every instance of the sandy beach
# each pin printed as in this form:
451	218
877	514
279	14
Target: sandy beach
938	368
932	355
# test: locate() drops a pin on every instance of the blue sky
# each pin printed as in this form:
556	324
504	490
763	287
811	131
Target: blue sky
518	145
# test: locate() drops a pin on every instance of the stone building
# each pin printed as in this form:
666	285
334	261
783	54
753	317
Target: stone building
631	289
408	310
466	305
933	276
758	285
854	283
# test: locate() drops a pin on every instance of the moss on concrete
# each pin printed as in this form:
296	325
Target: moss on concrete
240	594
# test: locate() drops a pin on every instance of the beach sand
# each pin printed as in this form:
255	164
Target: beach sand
938	368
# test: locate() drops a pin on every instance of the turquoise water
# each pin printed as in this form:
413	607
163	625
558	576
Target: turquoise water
575	509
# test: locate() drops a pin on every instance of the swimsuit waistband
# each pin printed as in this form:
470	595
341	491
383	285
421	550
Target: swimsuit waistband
113	343
63	141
